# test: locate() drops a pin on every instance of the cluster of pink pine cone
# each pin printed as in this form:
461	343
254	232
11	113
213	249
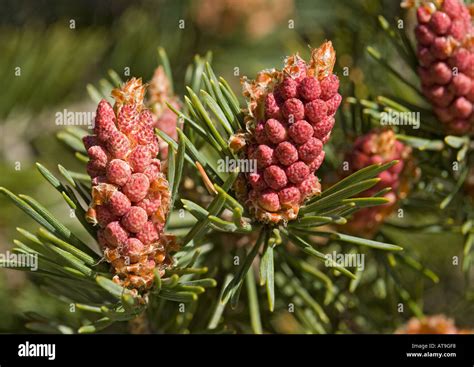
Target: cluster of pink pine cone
287	140
130	196
378	147
445	38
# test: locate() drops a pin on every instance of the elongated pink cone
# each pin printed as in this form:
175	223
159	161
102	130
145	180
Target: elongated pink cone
378	147
445	36
127	181
163	118
290	116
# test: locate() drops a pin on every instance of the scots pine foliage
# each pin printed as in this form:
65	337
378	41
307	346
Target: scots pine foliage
74	271
212	211
214	125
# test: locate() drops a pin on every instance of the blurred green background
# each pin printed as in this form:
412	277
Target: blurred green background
50	51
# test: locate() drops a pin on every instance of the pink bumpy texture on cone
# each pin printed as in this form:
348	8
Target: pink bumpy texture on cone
288	136
377	147
163	118
445	37
130	195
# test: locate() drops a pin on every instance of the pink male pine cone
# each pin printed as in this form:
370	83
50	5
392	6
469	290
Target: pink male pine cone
289	118
165	119
445	36
378	147
130	193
